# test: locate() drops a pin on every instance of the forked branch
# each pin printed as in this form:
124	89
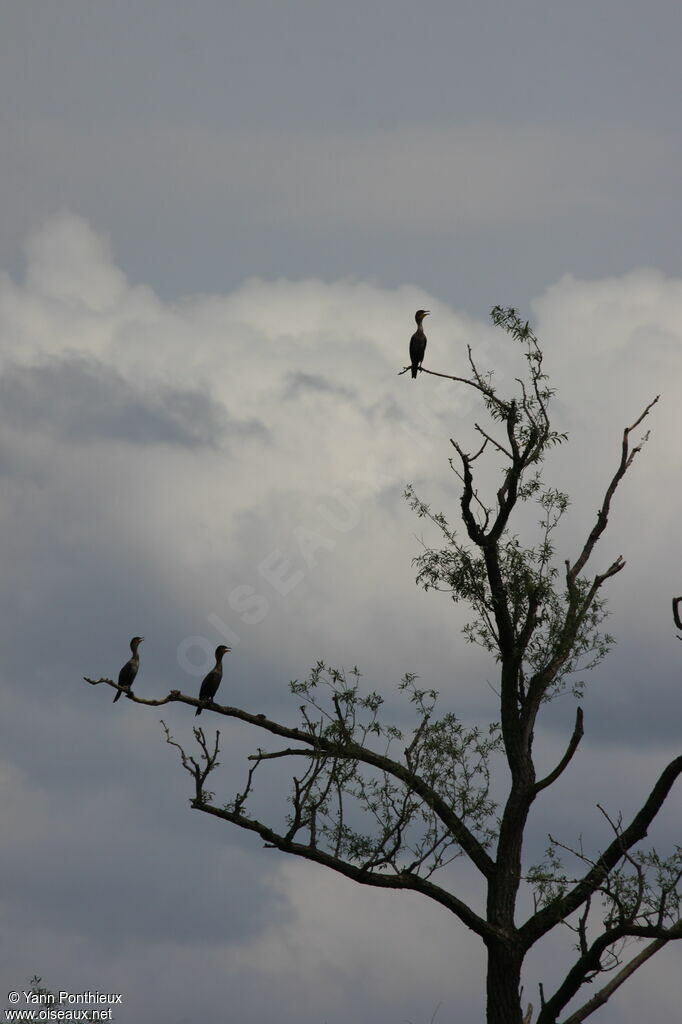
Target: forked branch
626	459
565	905
605	993
565	760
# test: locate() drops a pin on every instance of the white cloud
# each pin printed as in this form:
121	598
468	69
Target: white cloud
107	529
297	384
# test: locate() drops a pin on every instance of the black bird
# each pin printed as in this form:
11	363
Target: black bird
126	676
418	342
211	682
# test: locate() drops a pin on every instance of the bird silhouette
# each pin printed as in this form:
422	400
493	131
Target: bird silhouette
418	342
126	676
211	681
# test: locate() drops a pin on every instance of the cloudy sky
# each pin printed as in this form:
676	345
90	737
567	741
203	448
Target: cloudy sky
217	222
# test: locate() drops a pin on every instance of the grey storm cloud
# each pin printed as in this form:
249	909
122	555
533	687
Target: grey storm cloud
82	399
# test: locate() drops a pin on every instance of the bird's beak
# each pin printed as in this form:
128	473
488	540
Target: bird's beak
427	312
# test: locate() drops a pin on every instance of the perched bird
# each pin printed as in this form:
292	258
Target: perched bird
127	674
211	682
418	342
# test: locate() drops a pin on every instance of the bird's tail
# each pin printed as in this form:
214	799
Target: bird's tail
414	370
197	712
118	694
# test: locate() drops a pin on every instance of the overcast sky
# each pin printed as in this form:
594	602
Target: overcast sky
217	222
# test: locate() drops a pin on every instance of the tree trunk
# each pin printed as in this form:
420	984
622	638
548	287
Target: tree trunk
503	986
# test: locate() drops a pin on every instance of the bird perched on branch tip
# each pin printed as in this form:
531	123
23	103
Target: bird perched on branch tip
418	342
126	676
211	682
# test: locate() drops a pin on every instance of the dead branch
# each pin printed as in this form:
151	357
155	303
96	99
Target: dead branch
198	772
626	460
570	751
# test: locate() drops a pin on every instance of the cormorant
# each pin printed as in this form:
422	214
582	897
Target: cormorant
418	342
209	686
127	674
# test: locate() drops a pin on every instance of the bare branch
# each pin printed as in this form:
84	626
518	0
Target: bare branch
198	772
288	752
468	495
478	383
174	695
626	459
570	751
496	444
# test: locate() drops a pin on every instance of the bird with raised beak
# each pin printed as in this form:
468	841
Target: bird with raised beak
126	676
211	682
418	342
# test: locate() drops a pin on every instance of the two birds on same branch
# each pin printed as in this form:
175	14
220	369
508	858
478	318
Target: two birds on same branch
209	686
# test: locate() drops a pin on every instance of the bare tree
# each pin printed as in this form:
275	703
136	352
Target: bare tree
392	810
